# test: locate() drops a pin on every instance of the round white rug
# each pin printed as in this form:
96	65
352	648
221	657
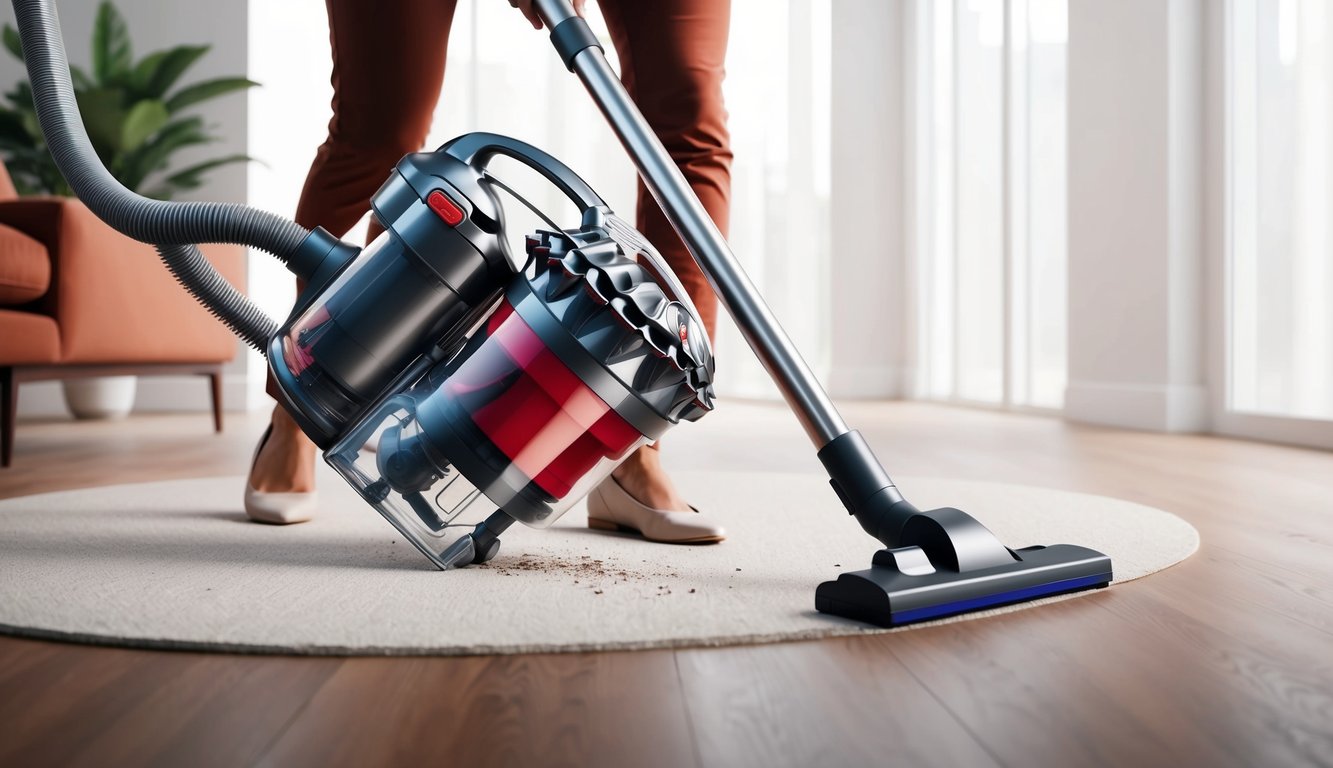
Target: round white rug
176	564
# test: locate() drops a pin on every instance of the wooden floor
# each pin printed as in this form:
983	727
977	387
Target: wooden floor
1226	659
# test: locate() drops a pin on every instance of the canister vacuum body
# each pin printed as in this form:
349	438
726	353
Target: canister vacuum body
438	377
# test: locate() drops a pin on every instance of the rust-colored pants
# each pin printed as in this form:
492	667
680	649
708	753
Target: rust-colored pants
388	66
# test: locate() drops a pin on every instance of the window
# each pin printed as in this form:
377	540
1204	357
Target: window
989	111
1279	162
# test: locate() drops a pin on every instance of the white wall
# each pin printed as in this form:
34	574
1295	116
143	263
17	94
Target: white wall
156	24
868	310
1135	209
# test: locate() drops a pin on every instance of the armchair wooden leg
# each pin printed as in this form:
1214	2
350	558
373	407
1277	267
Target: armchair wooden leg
9	401
215	384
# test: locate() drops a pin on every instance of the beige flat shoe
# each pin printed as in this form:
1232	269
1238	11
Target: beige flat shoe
277	508
611	508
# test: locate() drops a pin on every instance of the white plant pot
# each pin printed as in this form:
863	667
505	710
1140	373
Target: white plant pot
109	397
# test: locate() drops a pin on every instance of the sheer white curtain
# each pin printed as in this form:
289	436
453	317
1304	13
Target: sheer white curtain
504	77
989	200
1280	203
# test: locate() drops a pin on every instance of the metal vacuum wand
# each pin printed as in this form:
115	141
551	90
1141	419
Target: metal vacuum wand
855	473
659	172
938	562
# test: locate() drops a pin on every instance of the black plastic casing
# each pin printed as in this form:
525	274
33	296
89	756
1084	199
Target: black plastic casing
887	595
412	294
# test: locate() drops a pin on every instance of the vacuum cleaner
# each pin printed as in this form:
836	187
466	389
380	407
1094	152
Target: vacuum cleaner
438	376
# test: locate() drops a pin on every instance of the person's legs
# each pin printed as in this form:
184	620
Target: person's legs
672	54
388	66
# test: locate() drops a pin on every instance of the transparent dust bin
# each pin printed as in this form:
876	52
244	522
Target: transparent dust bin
505	424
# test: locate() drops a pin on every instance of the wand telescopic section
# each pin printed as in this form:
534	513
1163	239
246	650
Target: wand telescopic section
802	391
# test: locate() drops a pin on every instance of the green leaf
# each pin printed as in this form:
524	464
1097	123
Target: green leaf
103	115
143	120
25	187
205	90
81	80
13	131
21	96
182	132
112	56
21	163
12	42
33	127
24	181
156	152
159	71
35	174
137	165
189	177
142	74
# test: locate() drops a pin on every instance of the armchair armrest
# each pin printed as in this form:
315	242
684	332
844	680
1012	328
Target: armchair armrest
114	300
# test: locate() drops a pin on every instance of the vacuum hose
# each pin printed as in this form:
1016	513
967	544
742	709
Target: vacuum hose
173	227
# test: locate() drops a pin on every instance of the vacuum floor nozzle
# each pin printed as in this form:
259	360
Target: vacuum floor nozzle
902	586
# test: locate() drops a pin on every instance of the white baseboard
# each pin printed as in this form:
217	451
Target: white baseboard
1160	408
154	394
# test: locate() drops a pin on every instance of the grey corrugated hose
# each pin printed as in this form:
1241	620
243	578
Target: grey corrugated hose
174	227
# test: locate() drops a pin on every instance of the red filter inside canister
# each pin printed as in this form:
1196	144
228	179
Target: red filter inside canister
535	409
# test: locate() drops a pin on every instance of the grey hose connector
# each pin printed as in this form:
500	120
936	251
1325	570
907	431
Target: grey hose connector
172	226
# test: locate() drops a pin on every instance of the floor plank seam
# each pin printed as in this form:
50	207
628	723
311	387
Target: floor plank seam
1268	609
263	751
957	718
1296	618
685	707
1277	715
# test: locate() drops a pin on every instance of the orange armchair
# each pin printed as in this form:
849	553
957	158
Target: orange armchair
78	298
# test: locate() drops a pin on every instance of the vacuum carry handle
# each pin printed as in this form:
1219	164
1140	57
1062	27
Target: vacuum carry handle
802	391
477	150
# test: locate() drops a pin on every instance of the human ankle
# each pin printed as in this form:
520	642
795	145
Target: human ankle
642	476
286	460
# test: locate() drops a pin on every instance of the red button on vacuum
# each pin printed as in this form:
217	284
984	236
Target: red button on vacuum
445	208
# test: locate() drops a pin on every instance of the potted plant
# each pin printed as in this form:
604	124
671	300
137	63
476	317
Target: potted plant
137	113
